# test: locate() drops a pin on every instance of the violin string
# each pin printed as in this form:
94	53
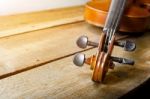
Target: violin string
112	26
120	14
114	17
117	18
108	27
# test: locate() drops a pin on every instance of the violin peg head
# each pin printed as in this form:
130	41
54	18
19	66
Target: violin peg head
82	41
129	46
79	59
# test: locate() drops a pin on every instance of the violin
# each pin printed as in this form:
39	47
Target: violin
136	17
113	16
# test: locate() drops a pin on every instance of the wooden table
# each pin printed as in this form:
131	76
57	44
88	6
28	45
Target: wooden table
38	64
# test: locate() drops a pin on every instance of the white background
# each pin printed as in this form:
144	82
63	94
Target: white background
9	7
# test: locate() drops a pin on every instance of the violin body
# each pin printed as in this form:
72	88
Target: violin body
136	17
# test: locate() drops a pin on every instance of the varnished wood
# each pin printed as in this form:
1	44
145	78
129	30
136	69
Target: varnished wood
108	15
136	17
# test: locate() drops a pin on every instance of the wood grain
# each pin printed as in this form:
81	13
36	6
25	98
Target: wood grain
62	80
21	23
35	48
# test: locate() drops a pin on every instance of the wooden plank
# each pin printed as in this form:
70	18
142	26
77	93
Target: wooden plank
16	24
35	48
62	80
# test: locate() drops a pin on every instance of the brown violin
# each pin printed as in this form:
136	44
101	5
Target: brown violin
136	17
115	16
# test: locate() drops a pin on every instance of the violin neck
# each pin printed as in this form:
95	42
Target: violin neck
115	13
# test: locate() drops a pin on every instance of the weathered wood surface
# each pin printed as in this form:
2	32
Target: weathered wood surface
61	79
31	49
17	24
38	64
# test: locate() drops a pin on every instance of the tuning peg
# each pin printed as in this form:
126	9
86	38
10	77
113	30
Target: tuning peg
127	45
123	60
83	42
79	59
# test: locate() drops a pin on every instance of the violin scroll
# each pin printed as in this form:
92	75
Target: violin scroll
113	21
102	61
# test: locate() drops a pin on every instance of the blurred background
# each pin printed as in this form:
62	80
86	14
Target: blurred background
10	7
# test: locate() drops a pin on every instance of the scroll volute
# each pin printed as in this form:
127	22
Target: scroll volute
100	62
103	60
93	60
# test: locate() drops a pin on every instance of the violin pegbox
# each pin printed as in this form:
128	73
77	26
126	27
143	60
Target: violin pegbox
102	61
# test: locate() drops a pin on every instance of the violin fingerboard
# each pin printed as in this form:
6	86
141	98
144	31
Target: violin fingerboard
115	13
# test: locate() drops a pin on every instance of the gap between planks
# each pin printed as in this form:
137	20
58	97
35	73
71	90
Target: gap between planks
21	23
22	52
40	64
61	79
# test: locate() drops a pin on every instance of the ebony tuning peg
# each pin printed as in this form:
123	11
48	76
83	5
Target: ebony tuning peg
127	45
83	42
123	60
79	59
